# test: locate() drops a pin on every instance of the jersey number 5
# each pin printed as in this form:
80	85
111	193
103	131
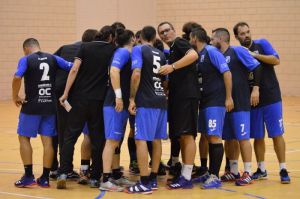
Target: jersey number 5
45	68
156	64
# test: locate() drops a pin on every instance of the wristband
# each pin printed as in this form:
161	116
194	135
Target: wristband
118	93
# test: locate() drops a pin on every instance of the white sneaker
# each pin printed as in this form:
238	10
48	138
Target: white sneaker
110	186
123	181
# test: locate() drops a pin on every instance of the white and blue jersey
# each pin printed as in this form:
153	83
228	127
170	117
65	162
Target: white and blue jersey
212	65
237	122
115	122
151	102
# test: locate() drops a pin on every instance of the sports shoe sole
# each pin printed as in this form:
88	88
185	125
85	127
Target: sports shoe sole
27	186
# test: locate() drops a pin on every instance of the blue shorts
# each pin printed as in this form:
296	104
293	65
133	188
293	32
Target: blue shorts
114	123
85	129
237	126
211	120
31	125
269	116
150	124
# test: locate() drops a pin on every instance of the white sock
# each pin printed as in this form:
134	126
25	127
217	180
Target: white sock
248	167
261	165
282	166
174	160
234	167
186	171
84	167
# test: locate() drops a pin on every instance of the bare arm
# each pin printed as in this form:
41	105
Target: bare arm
115	82
135	82
268	59
228	86
16	85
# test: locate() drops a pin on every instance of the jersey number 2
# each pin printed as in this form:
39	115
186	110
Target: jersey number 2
45	68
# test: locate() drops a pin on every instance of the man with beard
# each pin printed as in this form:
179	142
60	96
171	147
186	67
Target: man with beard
269	111
183	99
237	122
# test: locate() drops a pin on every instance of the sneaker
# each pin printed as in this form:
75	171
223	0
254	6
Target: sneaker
43	182
176	169
153	183
73	176
161	170
212	182
134	168
94	183
53	175
199	171
284	177
229	177
244	180
139	188
110	186
201	179
259	175
84	177
181	183
25	181
61	181
123	182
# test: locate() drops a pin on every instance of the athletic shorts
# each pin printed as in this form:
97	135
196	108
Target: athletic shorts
237	126
150	124
269	116
114	123
183	117
31	125
211	120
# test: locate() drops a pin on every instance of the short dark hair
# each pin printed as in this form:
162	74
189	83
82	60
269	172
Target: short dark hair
31	42
89	35
116	25
148	33
188	27
200	34
138	34
123	36
236	27
224	32
104	33
159	45
163	23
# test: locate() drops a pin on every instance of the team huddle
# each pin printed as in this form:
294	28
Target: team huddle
200	84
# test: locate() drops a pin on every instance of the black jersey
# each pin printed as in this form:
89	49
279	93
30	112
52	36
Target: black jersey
269	86
240	63
150	93
182	82
122	61
92	79
39	71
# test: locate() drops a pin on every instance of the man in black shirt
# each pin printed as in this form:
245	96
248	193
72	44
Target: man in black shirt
183	98
88	80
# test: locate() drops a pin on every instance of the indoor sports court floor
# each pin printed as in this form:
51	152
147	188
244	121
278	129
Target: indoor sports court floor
11	167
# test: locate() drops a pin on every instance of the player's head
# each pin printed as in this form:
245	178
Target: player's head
138	37
148	34
105	34
30	45
159	44
188	27
219	37
89	35
116	25
242	33
199	35
166	32
124	37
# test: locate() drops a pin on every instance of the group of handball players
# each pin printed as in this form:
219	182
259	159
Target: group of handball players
166	86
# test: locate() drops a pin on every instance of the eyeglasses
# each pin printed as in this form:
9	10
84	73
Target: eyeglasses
165	31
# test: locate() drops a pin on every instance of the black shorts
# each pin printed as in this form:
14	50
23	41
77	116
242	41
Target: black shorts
183	115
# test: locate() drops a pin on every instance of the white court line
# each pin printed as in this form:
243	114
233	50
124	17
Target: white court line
291	151
23	195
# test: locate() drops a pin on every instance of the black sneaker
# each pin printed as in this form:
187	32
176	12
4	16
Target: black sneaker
53	175
284	177
73	176
134	168
175	170
199	172
161	170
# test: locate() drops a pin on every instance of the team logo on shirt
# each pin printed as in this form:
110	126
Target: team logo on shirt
202	58
227	59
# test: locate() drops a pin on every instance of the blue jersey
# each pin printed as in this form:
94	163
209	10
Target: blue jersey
150	93
122	61
269	86
240	63
212	65
39	70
